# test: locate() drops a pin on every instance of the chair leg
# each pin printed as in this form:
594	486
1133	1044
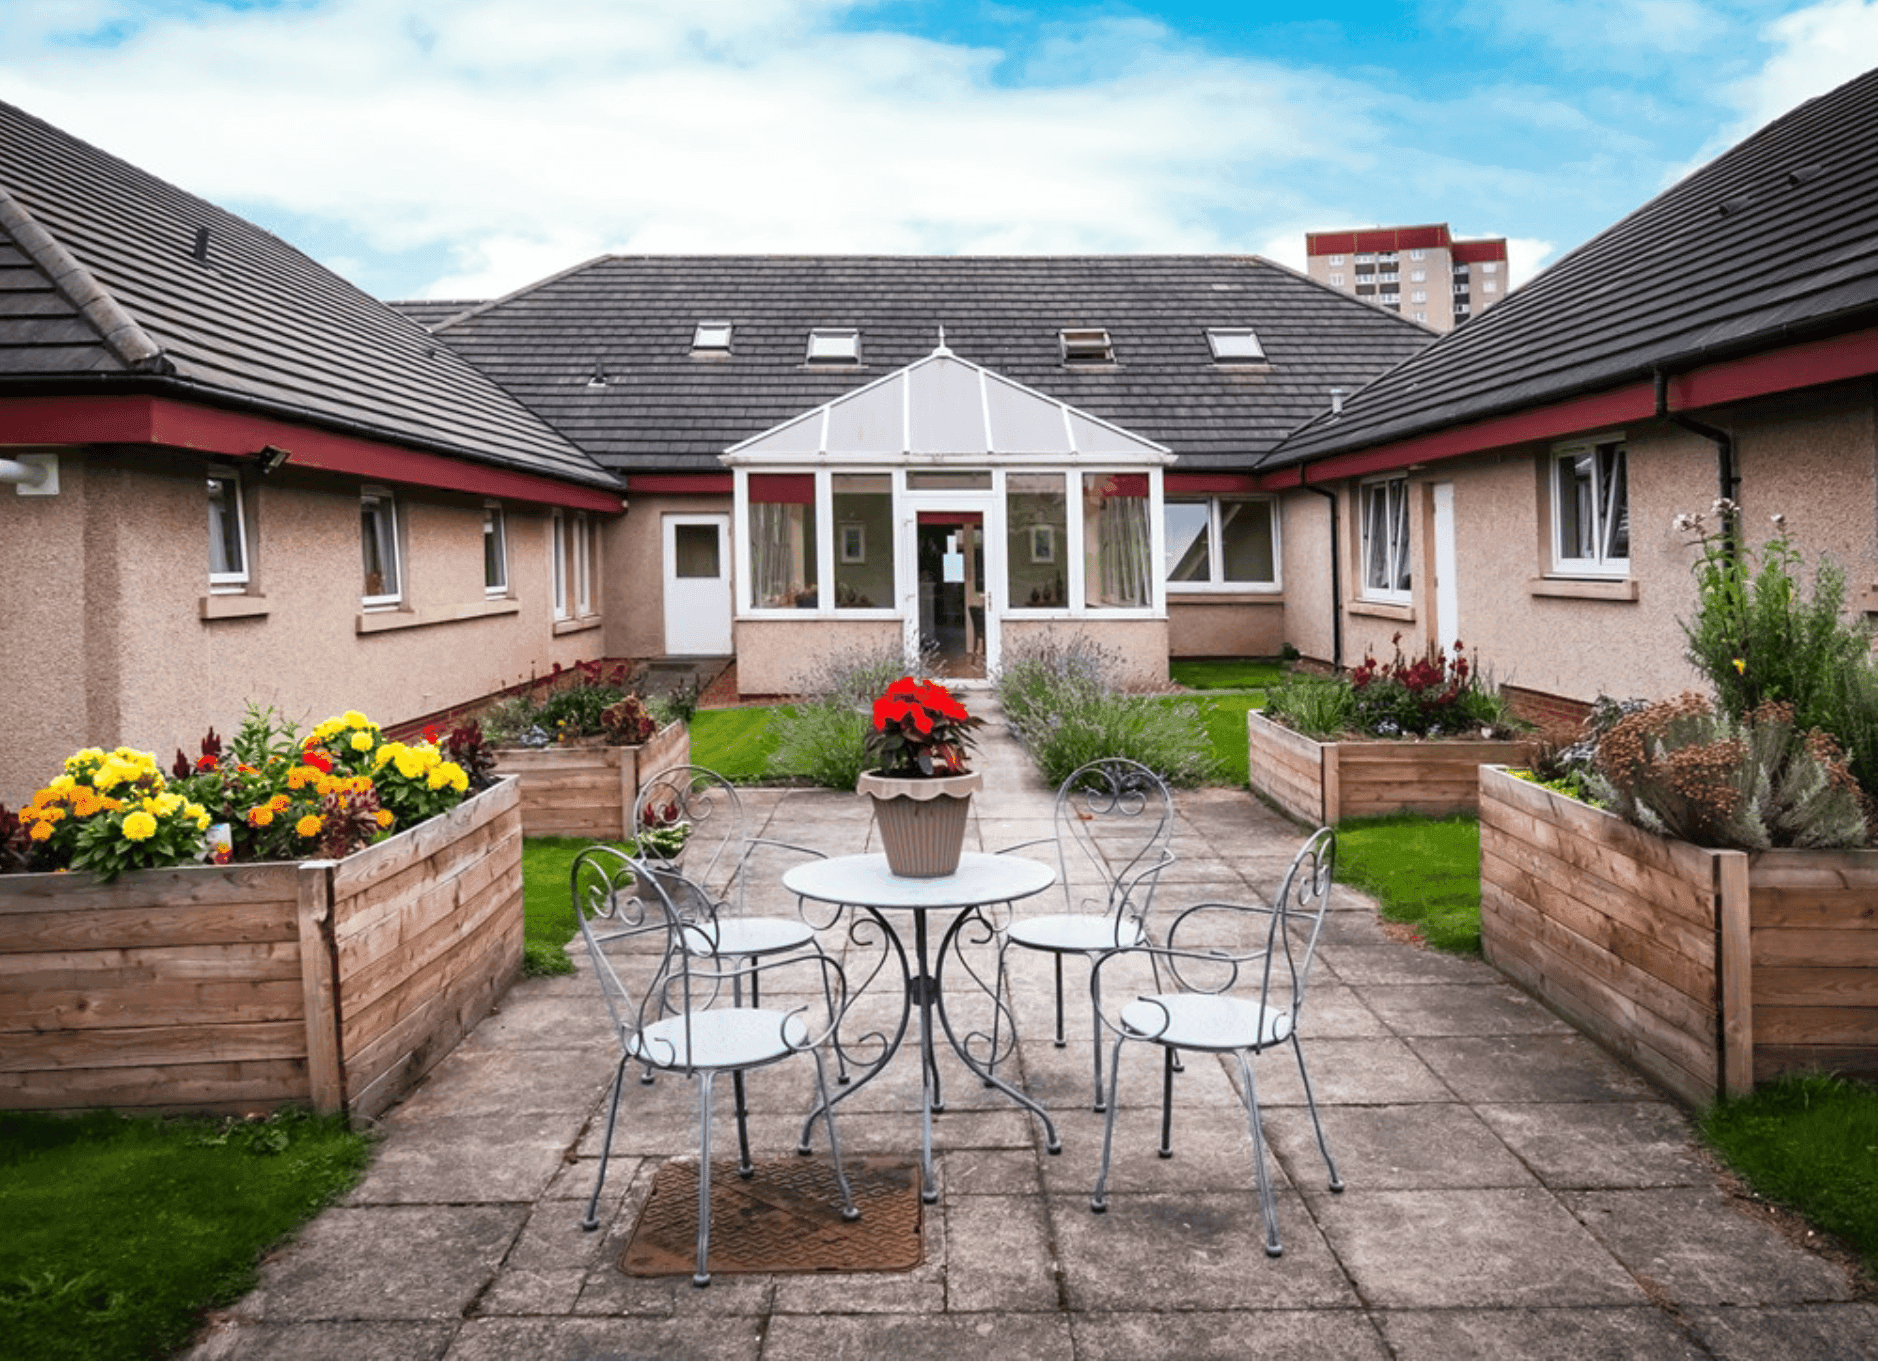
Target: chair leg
744	1167
591	1221
1169	1058
997	1017
1099	1198
1310	1100
1057	958
1095	1021
702	1277
849	1211
1273	1249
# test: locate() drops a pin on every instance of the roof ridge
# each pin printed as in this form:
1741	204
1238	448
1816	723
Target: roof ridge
477	309
116	328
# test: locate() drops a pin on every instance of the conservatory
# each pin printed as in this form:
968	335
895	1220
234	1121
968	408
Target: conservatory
945	509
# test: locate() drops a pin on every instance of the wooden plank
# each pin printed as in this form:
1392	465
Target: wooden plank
181	886
152	1045
145	1004
397	853
1851	1061
319	994
1781	1025
1816	986
1329	786
418	905
71	929
154	965
1737	986
1795	946
1810	906
238	1087
395	986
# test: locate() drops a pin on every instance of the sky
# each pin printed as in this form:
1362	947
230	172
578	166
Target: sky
466	148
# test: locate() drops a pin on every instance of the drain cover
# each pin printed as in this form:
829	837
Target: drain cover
784	1218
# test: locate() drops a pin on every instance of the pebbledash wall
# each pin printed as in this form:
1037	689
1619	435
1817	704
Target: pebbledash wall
1812	457
124	642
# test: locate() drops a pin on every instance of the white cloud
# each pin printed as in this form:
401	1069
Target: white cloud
1526	256
1816	49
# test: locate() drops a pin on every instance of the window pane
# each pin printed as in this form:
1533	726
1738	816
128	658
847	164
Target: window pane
583	564
782	540
1615	503
1189	538
228	556
379	544
495	551
961	480
1376	536
863	504
695	551
1245	534
1116	544
1036	512
1399	535
559	565
1576	506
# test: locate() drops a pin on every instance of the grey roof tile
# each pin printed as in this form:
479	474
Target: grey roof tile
99	274
663	409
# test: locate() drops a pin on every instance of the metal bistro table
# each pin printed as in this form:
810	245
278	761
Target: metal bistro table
865	882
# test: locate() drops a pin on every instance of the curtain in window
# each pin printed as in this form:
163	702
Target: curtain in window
782	540
1116	540
1386	536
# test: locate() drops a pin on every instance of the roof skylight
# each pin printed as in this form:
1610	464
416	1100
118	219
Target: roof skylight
1086	345
711	338
1235	345
835	345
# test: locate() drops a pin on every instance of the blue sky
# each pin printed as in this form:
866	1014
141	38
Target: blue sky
464	148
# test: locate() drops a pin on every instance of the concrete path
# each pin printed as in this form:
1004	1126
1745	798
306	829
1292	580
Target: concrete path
1512	1191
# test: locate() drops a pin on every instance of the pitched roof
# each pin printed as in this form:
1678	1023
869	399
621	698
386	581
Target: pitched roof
946	405
112	279
661	406
1772	242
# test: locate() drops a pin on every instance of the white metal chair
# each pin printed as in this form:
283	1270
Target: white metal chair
1233	998
680	1009
1113	824
715	863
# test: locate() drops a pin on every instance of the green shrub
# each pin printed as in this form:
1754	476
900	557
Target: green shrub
1316	706
1062	704
824	737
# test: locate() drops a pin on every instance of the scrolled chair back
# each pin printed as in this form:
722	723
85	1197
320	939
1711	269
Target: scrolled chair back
1114	828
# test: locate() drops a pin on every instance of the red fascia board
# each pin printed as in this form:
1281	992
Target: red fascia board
1793	367
676	484
1329	243
1211	484
1421	238
1469	252
135	420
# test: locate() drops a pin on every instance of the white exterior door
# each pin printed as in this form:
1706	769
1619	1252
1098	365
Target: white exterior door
697	586
1447	585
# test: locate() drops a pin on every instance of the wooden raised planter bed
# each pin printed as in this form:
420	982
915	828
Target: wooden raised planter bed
572	791
1710	970
335	984
1327	782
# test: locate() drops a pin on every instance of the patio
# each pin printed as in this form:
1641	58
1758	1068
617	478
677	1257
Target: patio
1512	1190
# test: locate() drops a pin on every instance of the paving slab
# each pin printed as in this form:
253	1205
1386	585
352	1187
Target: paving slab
1512	1189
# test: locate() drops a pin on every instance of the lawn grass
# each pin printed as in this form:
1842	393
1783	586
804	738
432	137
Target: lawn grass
1809	1142
736	743
1423	871
1226	673
120	1231
547	907
1222	716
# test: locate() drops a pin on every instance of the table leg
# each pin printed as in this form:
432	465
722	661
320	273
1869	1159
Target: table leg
1053	1144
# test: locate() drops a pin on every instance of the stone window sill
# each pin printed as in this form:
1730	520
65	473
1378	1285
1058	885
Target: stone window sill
579	626
385	621
1585	588
235	605
1384	610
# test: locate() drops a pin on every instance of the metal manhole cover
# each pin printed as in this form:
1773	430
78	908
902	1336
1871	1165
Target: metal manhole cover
785	1218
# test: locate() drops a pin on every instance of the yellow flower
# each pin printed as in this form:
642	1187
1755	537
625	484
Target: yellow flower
1741	667
61	784
411	763
164	804
362	742
260	816
51	816
354	719
140	826
385	818
85	803
42	832
308	826
279	803
202	822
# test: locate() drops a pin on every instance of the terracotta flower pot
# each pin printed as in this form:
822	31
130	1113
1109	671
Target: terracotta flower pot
922	820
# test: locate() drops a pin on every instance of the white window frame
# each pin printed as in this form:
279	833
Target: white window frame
1418	255
496	527
711	338
1602	563
1490	267
1397	546
1336	279
1336	260
1235	345
1490	286
235	580
1418	276
1215	559
834	345
1086	345
389	535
